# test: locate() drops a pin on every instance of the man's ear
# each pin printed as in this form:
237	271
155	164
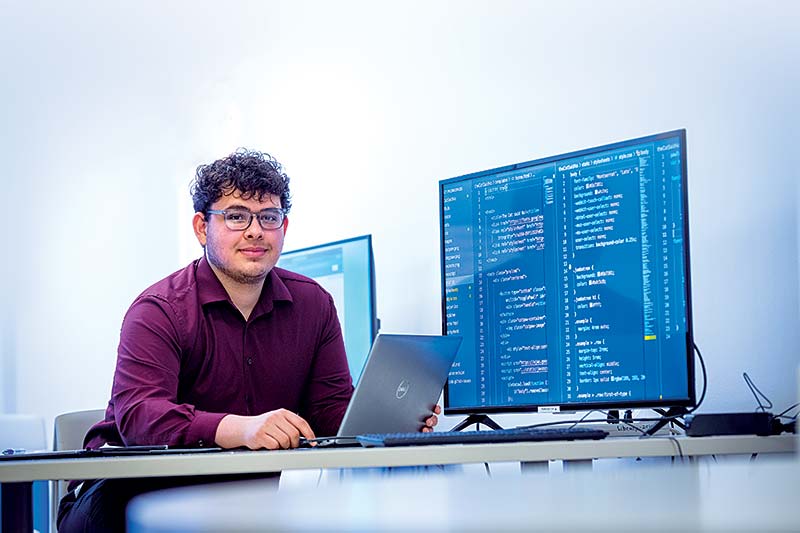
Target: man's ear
200	227
285	224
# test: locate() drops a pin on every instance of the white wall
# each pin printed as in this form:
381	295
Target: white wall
107	110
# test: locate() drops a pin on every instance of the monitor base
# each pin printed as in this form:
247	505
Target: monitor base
476	419
670	415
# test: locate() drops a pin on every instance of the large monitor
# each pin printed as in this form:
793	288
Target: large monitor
346	270
568	278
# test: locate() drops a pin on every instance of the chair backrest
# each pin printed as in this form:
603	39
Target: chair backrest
68	434
71	428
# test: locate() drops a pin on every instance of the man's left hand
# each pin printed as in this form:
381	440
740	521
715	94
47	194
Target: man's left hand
432	420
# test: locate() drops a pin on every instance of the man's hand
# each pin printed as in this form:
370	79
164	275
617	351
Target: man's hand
274	430
432	420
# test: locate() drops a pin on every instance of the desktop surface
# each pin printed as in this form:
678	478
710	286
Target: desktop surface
16	476
240	462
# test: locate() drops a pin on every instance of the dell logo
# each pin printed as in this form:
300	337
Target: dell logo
402	389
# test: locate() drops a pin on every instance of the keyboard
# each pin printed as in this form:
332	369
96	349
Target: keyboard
480	437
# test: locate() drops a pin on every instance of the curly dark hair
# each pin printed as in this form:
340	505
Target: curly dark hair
254	174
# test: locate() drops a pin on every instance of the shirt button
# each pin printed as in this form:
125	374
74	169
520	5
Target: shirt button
249	360
200	443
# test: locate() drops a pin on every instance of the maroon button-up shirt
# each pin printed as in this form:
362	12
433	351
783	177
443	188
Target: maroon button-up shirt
187	357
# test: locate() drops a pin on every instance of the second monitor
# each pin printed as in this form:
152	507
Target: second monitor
346	270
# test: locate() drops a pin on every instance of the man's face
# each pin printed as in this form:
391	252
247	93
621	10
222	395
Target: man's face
244	256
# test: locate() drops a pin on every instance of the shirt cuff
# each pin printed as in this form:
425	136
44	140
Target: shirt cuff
203	429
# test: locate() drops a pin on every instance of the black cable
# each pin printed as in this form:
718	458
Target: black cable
678	444
778	426
705	378
488	471
761	407
583	418
782	414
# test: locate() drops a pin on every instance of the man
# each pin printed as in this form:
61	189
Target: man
229	351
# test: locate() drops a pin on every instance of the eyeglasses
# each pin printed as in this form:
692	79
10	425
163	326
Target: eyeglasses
240	219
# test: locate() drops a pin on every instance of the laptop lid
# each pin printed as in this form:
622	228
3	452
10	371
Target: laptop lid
401	382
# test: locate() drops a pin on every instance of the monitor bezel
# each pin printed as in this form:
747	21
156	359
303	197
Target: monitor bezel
691	398
374	323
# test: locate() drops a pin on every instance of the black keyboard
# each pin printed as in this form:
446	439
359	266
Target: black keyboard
480	437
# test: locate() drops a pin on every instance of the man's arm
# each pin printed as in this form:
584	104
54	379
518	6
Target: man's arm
146	382
145	392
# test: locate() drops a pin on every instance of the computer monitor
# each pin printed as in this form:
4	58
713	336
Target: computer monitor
346	270
568	278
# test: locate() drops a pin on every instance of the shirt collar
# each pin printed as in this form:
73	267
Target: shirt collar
210	289
274	290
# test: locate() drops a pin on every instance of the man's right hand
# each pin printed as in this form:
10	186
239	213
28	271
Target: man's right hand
274	430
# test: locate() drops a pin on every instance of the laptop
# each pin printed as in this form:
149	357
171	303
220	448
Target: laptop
401	382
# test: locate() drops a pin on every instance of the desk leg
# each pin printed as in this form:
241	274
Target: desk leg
573	465
17	501
534	467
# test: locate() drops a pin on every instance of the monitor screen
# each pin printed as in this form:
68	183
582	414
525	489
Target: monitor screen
568	278
346	270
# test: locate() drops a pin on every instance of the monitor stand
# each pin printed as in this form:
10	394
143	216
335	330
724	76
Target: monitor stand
476	419
667	417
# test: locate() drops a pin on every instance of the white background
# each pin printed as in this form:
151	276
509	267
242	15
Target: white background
108	108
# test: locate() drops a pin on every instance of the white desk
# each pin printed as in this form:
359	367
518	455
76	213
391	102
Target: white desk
16	476
717	497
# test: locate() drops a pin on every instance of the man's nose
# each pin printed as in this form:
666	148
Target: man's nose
254	230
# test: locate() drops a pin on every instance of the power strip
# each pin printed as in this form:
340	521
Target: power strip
625	430
753	423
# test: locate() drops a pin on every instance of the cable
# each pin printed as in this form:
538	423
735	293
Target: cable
783	414
678	445
778	427
761	407
705	378
583	418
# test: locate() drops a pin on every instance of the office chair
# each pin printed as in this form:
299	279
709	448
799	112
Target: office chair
68	434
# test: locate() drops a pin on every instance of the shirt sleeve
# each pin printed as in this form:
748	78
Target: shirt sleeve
330	384
145	389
